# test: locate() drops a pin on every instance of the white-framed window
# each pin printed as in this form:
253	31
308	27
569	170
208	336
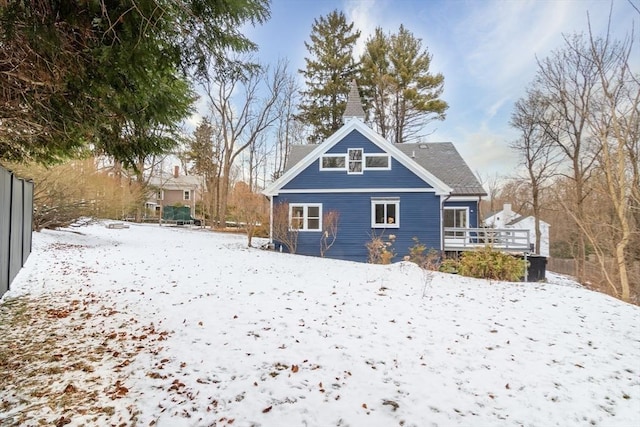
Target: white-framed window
186	195
160	194
377	161
455	217
385	213
305	216
355	160
333	162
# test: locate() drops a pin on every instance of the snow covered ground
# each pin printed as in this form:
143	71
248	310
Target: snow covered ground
183	327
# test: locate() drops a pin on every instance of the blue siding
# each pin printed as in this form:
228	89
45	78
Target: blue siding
398	177
419	217
355	140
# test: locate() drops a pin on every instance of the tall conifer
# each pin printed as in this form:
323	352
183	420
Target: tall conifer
402	92
329	70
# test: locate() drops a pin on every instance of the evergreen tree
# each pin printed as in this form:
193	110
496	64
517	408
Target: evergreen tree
403	95
68	68
329	70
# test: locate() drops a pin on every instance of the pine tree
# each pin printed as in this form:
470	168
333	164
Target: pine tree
402	92
329	70
70	69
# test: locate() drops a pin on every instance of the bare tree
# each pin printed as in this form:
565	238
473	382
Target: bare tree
536	149
613	121
242	102
288	129
567	79
492	184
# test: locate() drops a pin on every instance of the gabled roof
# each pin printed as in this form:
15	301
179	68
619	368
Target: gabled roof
440	158
299	160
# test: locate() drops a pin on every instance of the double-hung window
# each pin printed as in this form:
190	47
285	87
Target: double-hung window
186	195
355	160
385	213
305	217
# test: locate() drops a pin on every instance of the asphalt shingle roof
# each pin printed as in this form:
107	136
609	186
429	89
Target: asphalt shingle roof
354	104
443	160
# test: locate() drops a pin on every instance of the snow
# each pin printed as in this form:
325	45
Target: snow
186	327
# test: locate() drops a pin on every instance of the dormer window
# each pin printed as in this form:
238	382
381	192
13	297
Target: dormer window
355	160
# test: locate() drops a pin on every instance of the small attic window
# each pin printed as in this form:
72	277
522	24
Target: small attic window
355	160
377	161
333	162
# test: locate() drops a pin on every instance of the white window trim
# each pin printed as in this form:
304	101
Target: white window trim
387	201
361	171
186	194
160	195
364	163
305	215
456	208
344	156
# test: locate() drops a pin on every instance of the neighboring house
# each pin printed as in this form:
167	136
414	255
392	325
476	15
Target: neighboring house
378	189
508	219
174	190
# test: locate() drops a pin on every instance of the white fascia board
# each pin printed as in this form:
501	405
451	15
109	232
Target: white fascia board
274	188
439	187
356	190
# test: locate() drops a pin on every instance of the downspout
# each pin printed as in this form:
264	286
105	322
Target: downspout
270	219
442	202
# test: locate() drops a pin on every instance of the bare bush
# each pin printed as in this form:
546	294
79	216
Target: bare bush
329	231
65	193
284	232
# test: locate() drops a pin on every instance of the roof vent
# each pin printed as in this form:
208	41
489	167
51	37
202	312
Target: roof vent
423	146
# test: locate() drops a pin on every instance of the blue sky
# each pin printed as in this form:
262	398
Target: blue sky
486	50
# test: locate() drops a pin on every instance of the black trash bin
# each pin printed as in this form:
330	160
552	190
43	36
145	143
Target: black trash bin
537	270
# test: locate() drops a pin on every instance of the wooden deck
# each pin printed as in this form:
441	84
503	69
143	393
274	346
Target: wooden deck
467	239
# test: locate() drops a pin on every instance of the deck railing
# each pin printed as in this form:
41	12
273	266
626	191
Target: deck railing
503	239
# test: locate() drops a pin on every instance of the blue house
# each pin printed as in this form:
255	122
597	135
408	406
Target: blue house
376	188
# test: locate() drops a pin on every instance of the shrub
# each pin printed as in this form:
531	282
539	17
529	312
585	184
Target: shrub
489	264
429	260
283	232
380	251
449	265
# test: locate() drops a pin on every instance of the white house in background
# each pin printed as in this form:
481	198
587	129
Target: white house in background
507	218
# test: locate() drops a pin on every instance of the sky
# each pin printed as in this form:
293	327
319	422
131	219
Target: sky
178	326
486	50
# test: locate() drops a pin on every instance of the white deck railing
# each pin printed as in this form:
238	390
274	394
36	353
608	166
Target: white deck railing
503	239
